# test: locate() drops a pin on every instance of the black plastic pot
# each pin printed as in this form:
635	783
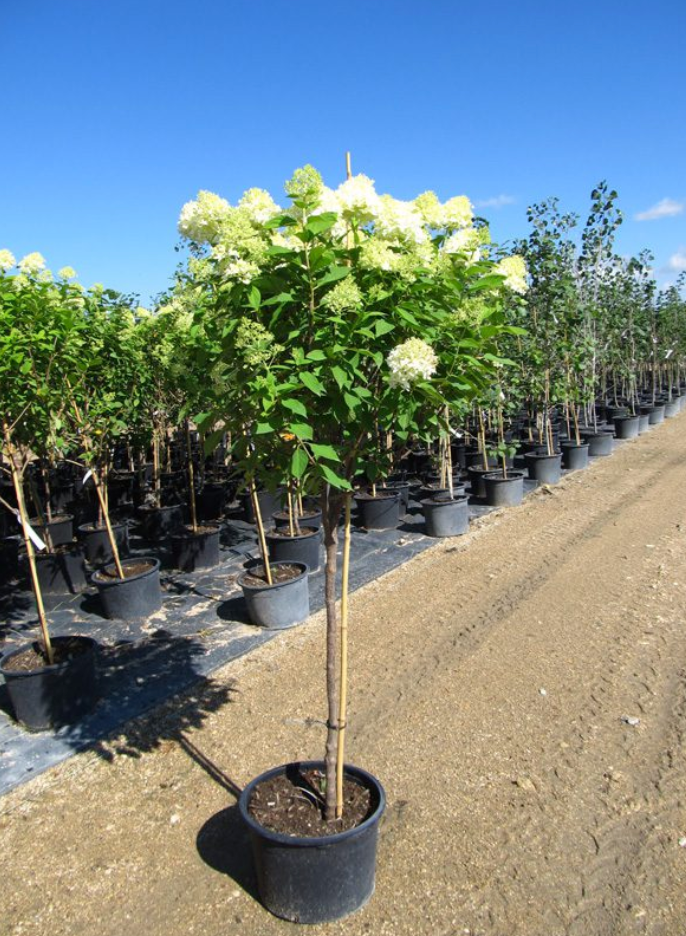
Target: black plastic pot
657	415
133	597
574	456
55	695
270	503
476	477
378	513
544	468
61	529
280	605
310	518
599	443
158	523
96	542
304	547
672	407
626	427
445	517
504	492
403	489
61	572
210	501
315	880
9	557
191	551
643	423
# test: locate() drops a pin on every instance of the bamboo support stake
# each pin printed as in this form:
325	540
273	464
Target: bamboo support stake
191	480
30	552
260	533
108	525
289	495
343	681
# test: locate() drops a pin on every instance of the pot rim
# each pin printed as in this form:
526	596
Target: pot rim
319	841
110	582
91	646
305	569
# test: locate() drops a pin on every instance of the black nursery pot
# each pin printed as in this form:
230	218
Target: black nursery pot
210	501
476	478
504	492
61	529
133	597
627	427
446	517
574	456
96	542
544	468
191	551
309	518
160	522
61	572
52	696
315	880
270	502
304	547
379	513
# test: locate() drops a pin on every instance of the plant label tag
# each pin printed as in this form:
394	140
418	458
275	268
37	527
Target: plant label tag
87	475
33	536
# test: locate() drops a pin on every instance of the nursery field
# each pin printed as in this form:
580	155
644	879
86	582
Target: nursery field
520	691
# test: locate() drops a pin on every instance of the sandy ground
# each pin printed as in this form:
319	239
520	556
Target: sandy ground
519	691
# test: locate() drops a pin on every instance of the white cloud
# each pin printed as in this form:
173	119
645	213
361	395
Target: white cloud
498	202
666	208
677	262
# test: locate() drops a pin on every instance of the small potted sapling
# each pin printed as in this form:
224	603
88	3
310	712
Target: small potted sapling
104	399
51	681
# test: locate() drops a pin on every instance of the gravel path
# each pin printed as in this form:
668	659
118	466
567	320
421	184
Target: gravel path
520	692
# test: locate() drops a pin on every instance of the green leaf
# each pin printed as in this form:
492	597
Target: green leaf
262	428
334	479
324	451
334	274
295	406
382	327
321	223
340	376
299	463
352	401
302	431
312	383
316	355
254	298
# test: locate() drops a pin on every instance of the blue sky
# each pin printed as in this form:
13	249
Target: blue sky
116	113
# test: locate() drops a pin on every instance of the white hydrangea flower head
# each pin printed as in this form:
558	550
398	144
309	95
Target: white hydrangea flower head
431	210
32	264
344	297
377	255
400	221
66	273
358	199
259	204
7	260
287	241
142	312
20	281
458	213
236	268
200	220
305	183
515	271
466	243
411	361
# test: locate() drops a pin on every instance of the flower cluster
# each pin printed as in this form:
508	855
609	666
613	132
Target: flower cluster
32	264
466	242
259	205
411	361
357	200
200	220
7	260
255	342
344	296
400	221
515	272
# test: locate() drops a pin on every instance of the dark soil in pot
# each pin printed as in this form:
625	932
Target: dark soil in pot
303	547
196	550
47	696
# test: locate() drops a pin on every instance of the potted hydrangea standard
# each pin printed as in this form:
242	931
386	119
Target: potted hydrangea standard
309	304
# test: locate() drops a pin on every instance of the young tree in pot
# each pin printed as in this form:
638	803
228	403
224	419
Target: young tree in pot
353	299
39	320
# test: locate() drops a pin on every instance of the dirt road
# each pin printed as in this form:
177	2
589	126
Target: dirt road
520	692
